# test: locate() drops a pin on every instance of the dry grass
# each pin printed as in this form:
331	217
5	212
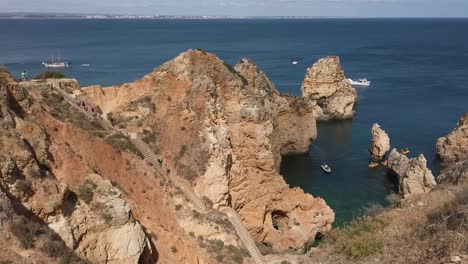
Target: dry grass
358	239
431	232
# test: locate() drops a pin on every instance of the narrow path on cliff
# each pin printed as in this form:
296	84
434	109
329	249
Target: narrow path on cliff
163	170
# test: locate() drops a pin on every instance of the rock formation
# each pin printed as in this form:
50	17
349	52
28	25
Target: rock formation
456	174
380	143
224	130
454	147
326	85
108	234
413	174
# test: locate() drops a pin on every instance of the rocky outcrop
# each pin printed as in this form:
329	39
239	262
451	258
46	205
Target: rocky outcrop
413	175
224	130
380	143
454	147
102	230
326	85
456	173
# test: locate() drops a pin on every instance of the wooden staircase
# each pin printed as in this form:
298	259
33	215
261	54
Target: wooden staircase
150	156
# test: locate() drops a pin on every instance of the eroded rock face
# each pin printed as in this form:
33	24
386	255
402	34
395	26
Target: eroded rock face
108	234
326	85
380	143
224	130
413	174
104	230
454	147
456	173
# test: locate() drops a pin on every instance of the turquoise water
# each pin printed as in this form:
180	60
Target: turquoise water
419	70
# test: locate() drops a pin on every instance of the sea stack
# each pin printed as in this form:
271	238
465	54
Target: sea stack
380	143
326	85
413	174
454	147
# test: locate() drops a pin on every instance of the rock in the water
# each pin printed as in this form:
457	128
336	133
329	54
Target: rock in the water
380	143
454	147
325	84
455	174
413	174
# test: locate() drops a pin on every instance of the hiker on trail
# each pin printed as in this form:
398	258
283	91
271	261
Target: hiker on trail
168	171
160	162
23	76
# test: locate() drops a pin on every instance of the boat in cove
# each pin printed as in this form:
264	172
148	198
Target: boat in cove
326	168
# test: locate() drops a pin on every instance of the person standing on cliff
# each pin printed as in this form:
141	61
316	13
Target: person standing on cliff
23	76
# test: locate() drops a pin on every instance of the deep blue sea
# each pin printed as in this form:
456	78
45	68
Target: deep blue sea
418	69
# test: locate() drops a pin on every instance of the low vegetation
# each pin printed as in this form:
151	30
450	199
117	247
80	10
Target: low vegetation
223	253
86	191
121	142
33	235
358	239
50	75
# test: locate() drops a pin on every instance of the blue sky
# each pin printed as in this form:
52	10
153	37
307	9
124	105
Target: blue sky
347	8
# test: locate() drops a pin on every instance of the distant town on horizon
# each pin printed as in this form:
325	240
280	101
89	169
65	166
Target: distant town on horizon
30	15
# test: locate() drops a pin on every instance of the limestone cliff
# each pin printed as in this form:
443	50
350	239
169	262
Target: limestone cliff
224	129
326	85
28	178
380	143
454	147
413	175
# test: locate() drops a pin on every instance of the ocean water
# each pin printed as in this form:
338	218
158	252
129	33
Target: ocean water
418	69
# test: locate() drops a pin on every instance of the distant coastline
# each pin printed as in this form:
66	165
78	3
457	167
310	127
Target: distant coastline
181	17
120	16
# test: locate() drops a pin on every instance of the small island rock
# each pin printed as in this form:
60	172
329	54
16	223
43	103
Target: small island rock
380	143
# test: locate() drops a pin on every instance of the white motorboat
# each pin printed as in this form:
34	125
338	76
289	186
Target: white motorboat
56	64
85	65
295	62
360	82
326	168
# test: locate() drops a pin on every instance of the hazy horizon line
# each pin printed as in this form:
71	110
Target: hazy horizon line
113	15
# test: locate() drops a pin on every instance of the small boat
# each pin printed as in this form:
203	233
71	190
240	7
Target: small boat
373	164
326	168
295	62
85	65
404	151
56	64
360	82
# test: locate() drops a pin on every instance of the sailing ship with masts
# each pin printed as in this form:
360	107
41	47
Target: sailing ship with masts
56	64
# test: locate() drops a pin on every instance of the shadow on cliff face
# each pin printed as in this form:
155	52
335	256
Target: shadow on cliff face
33	233
150	255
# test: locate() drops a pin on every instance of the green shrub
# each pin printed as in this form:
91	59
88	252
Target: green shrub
86	192
121	142
26	231
23	186
49	75
178	207
32	171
